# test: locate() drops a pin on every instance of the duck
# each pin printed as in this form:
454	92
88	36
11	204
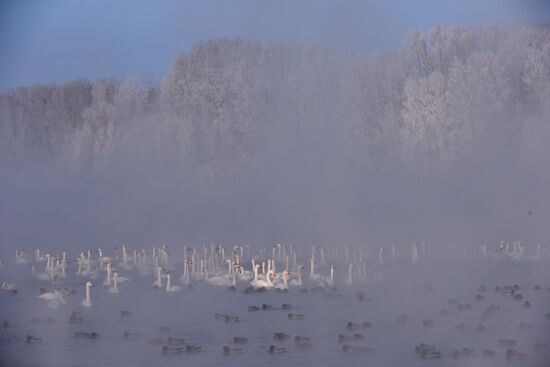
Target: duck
428	323
227	350
131	336
464	353
168	349
403	320
295	316
85	335
357	349
76	318
425	351
525	325
193	348
125	314
514	355
175	341
33	339
8	324
240	340
461	326
279	336
488	353
506	342
276	349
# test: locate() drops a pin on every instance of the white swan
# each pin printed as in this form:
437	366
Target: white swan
284	283
185	276
222	280
298	282
170	287
114	288
349	280
8	286
312	275
107	281
260	283
87	302
244	275
48	272
21	258
54	298
158	282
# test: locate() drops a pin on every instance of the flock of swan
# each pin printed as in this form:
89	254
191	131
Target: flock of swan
269	269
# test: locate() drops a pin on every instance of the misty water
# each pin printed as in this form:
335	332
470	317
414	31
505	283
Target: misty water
440	140
398	287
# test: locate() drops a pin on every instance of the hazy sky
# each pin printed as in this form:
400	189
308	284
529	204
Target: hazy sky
56	41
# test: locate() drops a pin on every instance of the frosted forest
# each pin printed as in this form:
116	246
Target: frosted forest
441	98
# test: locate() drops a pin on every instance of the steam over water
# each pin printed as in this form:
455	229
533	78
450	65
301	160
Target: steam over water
393	290
421	160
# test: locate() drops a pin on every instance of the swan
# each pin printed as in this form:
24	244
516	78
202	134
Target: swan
222	280
54	298
298	282
284	284
259	283
312	275
114	288
21	258
87	302
185	276
171	288
8	286
244	275
107	281
158	282
349	280
48	272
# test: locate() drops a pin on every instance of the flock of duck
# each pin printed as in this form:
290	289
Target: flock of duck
273	269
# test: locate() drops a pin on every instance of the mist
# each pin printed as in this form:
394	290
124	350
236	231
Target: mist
251	141
397	165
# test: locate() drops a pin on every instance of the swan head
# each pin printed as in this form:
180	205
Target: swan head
332	267
89	284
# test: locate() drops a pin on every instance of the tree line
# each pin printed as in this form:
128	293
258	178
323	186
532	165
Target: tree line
446	95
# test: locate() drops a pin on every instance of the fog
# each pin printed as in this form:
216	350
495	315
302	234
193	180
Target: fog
410	156
440	140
